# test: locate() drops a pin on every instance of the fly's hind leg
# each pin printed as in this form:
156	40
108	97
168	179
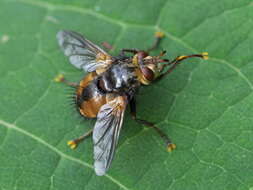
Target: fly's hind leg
73	143
170	146
60	78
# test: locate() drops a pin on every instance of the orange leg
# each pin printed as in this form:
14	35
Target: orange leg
73	143
170	146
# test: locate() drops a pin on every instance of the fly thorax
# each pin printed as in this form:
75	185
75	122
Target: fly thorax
118	78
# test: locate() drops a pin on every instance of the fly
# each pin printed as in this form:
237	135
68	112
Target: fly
110	85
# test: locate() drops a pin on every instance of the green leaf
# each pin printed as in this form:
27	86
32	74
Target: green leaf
206	107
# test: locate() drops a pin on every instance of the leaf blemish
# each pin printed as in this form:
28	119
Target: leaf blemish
5	38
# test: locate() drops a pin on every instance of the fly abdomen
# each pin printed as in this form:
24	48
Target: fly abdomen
89	97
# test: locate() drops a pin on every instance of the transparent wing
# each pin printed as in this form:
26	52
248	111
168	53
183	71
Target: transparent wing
106	133
82	53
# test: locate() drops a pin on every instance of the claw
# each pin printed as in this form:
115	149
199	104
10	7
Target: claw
59	78
72	144
171	147
159	34
205	55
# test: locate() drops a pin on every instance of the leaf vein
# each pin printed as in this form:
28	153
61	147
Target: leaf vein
217	15
63	155
124	24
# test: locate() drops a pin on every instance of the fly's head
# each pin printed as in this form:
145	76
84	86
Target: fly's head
148	67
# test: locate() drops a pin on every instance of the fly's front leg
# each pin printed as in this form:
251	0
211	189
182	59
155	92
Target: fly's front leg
174	65
158	37
166	139
73	143
177	61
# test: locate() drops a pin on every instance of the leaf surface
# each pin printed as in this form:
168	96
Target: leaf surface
206	107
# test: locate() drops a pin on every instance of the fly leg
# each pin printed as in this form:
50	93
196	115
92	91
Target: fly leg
107	46
123	51
170	146
73	143
158	37
60	78
177	61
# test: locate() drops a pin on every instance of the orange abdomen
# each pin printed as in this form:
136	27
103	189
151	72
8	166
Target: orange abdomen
89	98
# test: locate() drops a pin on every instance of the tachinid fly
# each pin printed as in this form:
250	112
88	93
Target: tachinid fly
110	84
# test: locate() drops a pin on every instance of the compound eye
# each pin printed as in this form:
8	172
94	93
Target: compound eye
142	54
148	73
